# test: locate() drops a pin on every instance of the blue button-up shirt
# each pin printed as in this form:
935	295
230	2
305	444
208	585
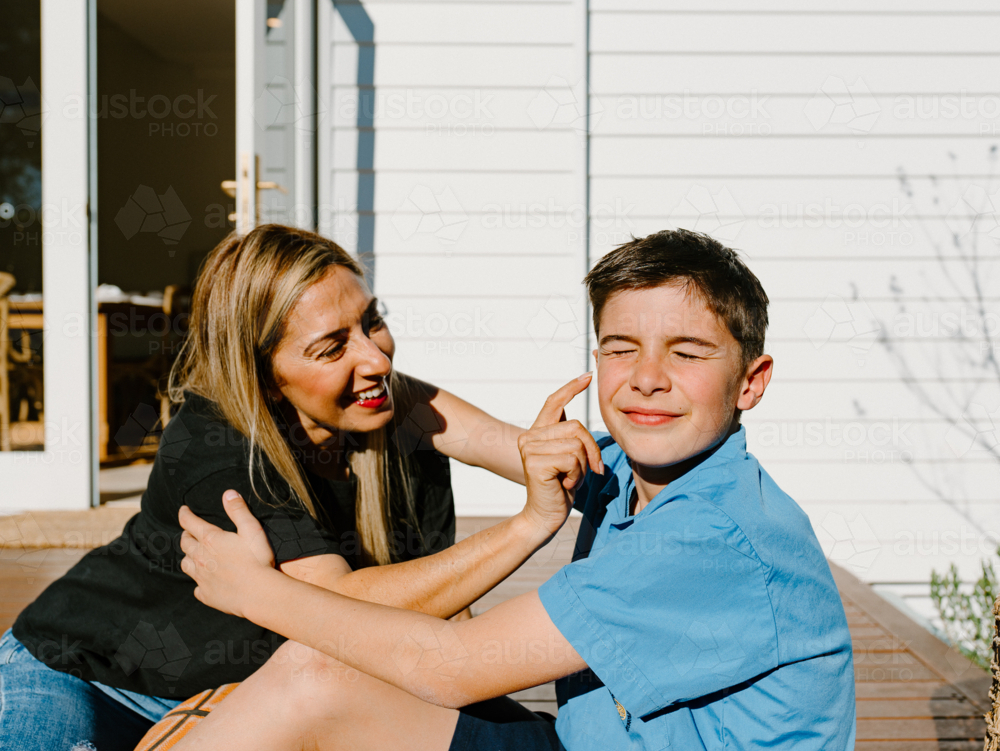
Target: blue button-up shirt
709	620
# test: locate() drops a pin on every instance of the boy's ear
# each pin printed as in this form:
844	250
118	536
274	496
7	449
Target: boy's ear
756	380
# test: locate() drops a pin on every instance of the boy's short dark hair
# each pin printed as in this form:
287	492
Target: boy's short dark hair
683	257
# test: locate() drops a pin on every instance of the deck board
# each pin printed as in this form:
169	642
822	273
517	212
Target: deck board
913	691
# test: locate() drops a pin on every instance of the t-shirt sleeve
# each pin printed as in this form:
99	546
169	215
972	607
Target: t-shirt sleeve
289	528
672	608
435	503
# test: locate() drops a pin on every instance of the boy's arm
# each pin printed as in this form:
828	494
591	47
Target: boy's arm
451	664
447	663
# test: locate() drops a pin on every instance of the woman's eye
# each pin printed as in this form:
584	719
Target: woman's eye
334	351
687	355
377	322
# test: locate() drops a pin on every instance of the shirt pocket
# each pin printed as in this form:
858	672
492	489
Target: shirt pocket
651	735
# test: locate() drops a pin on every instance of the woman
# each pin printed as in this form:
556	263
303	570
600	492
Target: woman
288	395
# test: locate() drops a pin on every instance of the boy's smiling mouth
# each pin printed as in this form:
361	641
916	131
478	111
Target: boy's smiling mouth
648	416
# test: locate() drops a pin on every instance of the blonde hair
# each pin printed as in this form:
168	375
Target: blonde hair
245	292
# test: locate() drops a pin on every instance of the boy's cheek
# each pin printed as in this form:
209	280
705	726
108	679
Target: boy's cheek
611	377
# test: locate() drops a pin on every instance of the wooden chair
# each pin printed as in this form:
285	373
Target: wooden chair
7	283
136	380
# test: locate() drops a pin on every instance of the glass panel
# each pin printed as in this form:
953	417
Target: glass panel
277	113
22	405
166	114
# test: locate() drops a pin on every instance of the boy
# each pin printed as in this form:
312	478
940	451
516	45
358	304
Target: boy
699	611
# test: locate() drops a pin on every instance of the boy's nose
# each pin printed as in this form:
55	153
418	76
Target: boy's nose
649	376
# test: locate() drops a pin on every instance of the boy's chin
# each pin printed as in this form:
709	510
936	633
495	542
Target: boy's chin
654	450
661	447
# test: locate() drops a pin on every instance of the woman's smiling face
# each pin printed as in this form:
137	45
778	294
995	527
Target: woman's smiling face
333	363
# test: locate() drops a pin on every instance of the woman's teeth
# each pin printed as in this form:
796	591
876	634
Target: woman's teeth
372	393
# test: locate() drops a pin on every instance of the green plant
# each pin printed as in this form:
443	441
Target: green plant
967	616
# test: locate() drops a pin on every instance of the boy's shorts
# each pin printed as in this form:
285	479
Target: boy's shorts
500	724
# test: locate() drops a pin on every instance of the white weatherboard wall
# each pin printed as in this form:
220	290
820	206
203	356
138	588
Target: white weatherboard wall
478	205
849	150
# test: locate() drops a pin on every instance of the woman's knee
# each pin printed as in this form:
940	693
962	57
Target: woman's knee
311	682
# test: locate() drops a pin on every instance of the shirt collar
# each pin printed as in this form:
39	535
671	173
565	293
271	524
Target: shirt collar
731	449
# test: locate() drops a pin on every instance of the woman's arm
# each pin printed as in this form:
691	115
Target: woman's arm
473	437
446	583
443	584
450	664
467	434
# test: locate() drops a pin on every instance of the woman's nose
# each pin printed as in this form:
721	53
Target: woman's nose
370	359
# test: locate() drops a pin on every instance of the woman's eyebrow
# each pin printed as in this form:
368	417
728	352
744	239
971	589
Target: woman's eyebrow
342	332
372	308
338	334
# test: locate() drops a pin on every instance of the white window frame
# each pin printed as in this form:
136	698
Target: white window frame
64	475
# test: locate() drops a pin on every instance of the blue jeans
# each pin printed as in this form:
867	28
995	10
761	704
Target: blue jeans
42	709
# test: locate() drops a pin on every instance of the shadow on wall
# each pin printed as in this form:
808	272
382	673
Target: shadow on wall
360	25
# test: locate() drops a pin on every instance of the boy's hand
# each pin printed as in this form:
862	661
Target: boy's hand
555	454
223	564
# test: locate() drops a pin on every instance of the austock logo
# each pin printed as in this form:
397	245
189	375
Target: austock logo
427	212
162	214
840	105
147	648
436	648
22	106
716	214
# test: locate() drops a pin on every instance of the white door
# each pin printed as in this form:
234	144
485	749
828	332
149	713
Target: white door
63	474
275	113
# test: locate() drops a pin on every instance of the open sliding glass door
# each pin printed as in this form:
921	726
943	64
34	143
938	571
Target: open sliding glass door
61	474
275	114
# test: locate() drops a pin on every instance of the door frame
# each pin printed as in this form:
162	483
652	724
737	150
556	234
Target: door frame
63	476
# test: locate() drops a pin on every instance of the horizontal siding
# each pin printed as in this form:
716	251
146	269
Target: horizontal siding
754	33
849	150
767	73
478	206
722	117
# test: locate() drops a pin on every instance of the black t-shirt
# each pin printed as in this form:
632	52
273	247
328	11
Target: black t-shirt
126	615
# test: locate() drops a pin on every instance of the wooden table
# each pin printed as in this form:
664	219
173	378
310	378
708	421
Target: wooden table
27	315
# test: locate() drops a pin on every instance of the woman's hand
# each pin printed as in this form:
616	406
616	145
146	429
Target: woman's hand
556	454
225	565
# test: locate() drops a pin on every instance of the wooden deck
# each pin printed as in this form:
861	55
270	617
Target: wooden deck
914	692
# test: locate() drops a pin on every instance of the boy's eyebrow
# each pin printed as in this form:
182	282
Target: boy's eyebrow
341	332
671	340
617	338
692	340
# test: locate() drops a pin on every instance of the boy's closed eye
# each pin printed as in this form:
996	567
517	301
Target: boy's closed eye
613	352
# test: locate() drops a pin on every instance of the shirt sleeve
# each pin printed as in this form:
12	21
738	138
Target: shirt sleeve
673	607
292	532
